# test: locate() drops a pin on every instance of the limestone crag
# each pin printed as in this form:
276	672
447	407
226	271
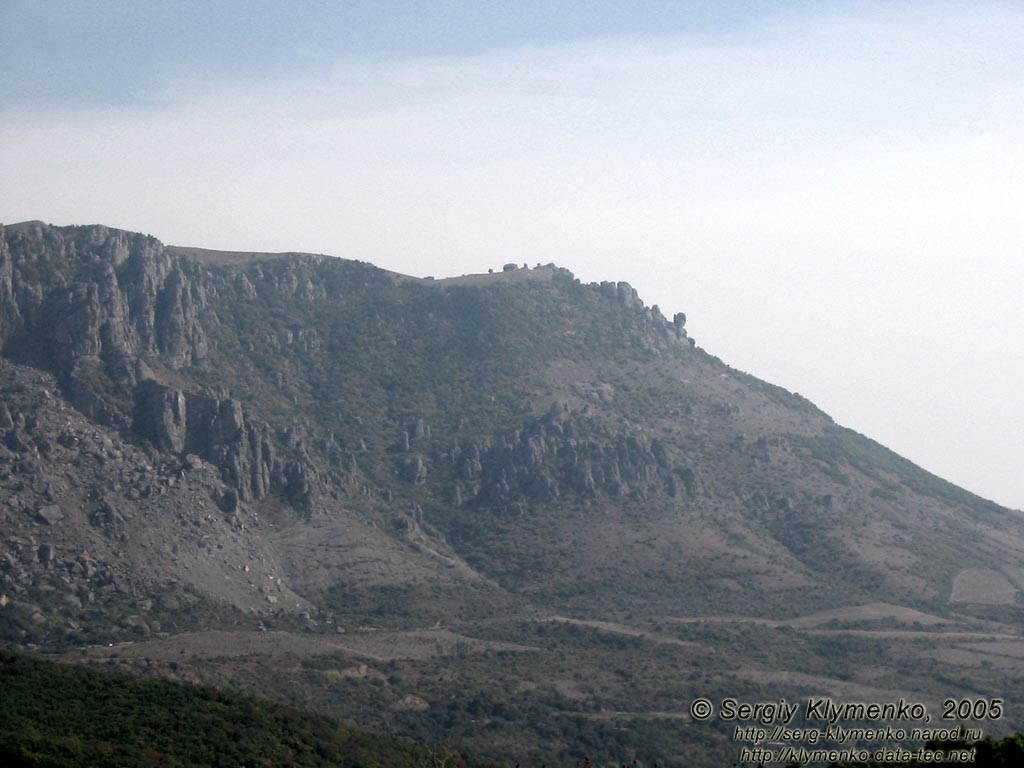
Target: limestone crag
92	292
562	453
91	304
217	430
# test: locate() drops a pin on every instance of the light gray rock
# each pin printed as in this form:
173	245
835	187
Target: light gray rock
51	514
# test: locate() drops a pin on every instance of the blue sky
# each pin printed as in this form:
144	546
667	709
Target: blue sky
117	52
831	191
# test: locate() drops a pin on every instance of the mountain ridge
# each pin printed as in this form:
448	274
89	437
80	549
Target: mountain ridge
195	440
119	356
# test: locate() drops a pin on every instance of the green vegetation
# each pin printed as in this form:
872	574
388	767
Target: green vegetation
111	620
839	444
54	716
987	753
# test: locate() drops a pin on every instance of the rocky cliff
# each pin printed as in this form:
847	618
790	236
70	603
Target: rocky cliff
92	305
315	422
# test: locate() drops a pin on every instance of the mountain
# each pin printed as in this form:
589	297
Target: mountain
510	510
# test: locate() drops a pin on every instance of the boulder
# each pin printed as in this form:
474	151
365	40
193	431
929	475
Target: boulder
6	422
410	703
51	514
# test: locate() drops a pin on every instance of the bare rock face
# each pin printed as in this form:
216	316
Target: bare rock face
92	304
179	335
215	429
161	416
243	450
560	453
94	293
6	420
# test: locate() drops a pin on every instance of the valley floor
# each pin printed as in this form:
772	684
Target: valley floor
550	688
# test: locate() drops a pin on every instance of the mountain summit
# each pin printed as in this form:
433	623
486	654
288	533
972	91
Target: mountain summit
196	439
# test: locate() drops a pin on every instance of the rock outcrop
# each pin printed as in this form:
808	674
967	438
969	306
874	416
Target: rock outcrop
92	304
94	293
562	453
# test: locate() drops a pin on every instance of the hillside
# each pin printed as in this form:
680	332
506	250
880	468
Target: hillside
448	486
54	715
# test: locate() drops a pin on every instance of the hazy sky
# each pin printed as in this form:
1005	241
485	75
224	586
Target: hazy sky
832	191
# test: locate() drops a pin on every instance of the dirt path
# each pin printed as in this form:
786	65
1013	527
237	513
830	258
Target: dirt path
622	629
